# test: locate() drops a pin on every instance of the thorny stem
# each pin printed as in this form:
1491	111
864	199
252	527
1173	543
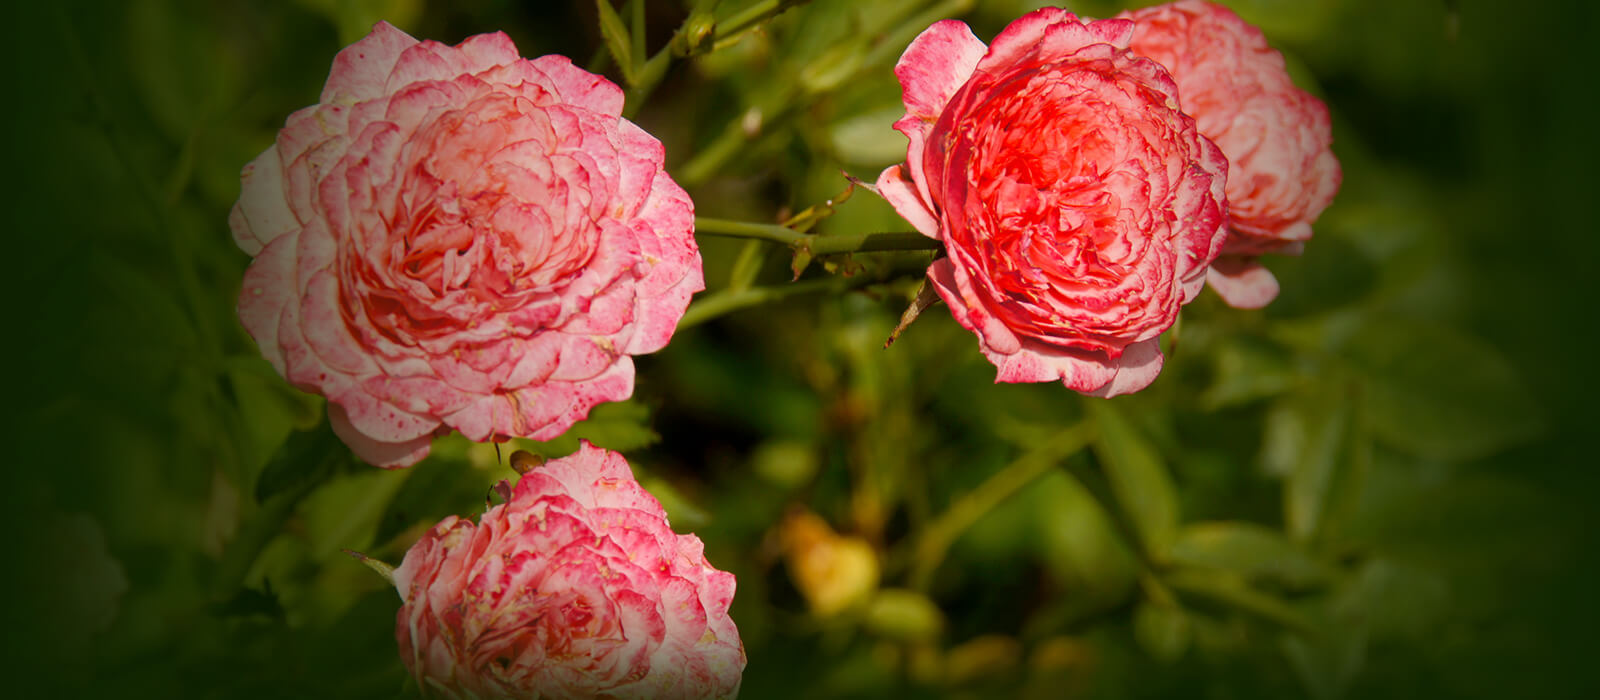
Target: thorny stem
815	244
727	301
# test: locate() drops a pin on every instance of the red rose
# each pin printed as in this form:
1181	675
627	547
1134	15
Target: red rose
1281	173
1078	206
458	238
574	588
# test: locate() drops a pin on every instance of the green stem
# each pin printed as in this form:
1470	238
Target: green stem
744	229
684	40
727	301
814	244
868	242
935	541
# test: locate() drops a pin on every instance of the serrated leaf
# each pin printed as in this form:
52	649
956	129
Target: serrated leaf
1437	392
1253	551
1138	478
617	40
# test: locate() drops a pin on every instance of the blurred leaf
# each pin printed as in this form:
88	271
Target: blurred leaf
1333	272
1139	479
308	457
1247	368
622	426
1077	541
1327	448
618	42
684	515
344	514
868	139
904	615
1228	591
1437	392
438	486
1253	551
355	18
1163	631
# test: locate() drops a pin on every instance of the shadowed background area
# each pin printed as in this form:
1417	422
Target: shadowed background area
1378	486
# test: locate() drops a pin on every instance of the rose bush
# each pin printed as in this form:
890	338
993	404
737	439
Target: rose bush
573	588
1281	171
1079	207
459	238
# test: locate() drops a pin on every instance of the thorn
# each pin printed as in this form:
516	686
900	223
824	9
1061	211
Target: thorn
926	296
383	569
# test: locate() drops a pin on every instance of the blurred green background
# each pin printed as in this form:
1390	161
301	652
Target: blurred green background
1379	486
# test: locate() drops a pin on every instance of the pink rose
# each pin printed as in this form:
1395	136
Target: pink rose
1281	173
574	588
456	237
1078	206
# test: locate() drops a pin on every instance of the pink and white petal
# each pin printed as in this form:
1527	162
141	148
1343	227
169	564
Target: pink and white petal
955	287
326	331
902	194
1014	44
424	61
582	357
579	87
262	213
361	69
1242	282
571	402
380	420
641	157
485	51
936	64
1038	362
268	290
1138	366
389	455
537	357
656	318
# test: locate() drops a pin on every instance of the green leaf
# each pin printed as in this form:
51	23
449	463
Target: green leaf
1164	631
615	34
308	457
1317	438
1228	591
345	513
355	18
1437	392
1253	551
1332	273
1138	478
868	139
1246	368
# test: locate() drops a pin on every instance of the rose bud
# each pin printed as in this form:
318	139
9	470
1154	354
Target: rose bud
1078	205
1281	172
574	588
459	238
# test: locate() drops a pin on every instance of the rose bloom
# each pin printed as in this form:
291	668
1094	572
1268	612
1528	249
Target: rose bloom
574	588
1079	207
458	238
1281	173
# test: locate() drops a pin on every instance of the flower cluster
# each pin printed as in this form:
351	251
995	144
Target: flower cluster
1084	177
456	238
